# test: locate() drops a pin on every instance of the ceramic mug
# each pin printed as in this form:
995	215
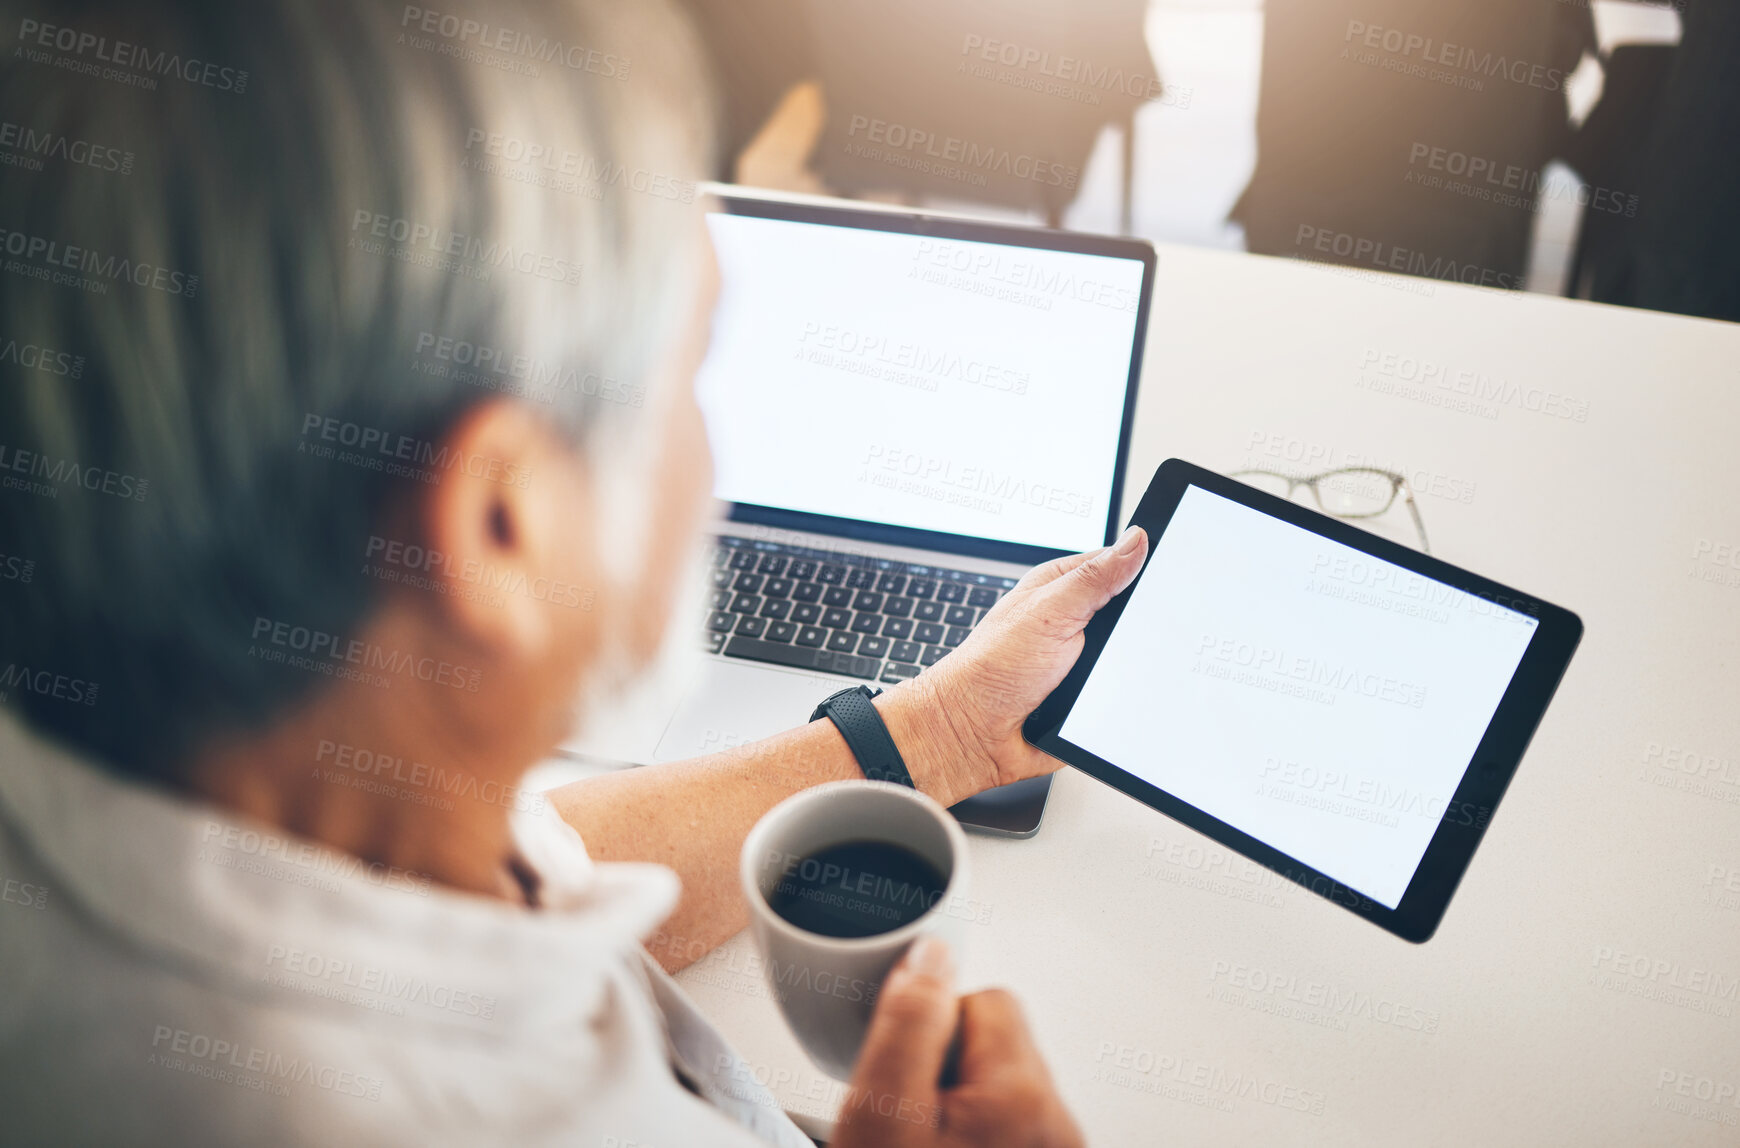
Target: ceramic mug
827	986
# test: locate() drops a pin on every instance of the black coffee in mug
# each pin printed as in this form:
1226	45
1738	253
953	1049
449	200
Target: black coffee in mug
856	889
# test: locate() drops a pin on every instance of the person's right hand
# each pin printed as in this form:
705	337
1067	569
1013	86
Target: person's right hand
1002	1096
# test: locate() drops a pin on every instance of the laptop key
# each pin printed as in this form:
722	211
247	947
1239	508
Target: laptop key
982	596
897	607
837	618
867	600
950	592
933	655
743	560
771	564
745	604
720	620
866	622
831	575
721	599
777	587
750	627
860	579
906	652
807	592
782	632
871	647
806	614
721	556
747	584
928	632
955	636
897	628
842	642
716	641
959	616
721	579
800	656
900	671
811	636
836	596
929	611
776	607
891	583
801	570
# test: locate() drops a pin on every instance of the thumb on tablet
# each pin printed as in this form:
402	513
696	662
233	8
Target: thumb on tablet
1081	592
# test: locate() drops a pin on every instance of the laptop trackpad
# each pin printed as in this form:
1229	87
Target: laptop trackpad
734	703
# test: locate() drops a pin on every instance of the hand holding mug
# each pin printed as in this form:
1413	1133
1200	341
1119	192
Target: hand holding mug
1001	1095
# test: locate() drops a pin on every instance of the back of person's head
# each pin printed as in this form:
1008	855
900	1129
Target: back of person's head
254	259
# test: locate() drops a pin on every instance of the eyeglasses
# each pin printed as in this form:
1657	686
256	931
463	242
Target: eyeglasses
1351	492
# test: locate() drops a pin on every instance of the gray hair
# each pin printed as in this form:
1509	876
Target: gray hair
255	259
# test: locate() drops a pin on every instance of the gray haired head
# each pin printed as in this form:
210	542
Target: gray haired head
254	260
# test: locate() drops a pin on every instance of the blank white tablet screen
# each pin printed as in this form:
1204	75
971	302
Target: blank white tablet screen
1321	700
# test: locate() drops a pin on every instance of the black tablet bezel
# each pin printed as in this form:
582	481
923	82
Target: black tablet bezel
1417	914
965	230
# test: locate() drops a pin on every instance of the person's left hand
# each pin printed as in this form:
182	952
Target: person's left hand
965	712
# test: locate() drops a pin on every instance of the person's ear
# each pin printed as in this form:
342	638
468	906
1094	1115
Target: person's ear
504	527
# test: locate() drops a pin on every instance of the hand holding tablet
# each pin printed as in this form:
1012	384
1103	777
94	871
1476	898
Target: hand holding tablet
1330	704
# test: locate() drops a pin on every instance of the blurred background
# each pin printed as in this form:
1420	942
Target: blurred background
1587	148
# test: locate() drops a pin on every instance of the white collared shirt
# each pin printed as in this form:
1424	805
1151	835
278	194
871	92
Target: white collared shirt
173	974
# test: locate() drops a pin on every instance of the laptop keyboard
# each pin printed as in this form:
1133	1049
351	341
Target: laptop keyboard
851	614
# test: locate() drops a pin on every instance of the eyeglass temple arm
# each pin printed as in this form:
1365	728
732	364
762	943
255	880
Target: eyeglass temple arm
1419	524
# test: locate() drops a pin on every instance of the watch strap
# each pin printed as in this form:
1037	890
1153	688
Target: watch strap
865	733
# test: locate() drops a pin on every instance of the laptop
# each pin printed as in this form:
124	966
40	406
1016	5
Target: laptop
907	412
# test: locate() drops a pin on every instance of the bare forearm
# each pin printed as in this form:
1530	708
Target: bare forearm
957	725
693	815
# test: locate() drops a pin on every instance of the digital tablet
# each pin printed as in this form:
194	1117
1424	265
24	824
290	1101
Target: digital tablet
1331	704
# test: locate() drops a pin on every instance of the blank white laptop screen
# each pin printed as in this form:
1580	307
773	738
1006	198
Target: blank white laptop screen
965	387
1321	700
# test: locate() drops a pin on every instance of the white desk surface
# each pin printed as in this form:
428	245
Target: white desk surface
1583	986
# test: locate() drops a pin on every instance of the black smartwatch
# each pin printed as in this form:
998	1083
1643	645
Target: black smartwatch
866	736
